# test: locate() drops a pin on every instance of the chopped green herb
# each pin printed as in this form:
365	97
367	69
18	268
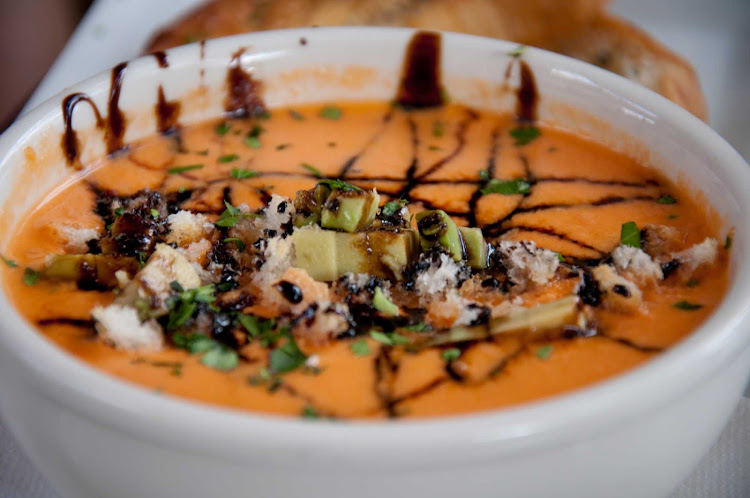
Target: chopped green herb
484	174
231	216
221	129
155	214
181	169
240	244
417	327
438	128
381	303
175	286
360	348
263	115
544	352
518	51
9	262
666	199
560	257
687	306
182	312
434	147
30	277
181	190
119	212
142	258
390	208
340	185
242	174
507	187
524	135
228	158
450	354
310	412
283	146
221	358
313	170
391	339
330	112
630	235
252	142
728	242
693	282
287	357
295	115
257	327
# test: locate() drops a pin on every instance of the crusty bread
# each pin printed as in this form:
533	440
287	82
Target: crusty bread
579	28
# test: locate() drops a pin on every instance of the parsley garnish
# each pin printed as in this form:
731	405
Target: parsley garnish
687	306
518	51
185	303
155	214
340	185
434	147
181	313
181	169
507	187
215	355
728	242
295	115
9	262
417	327
524	135
252	142
391	339
242	174
313	170
630	235
310	412
287	357
484	174
330	112
221	129
450	354
119	212
240	244
666	199
258	328
31	277
545	351
560	257
228	158
231	216
438	128
390	208
360	348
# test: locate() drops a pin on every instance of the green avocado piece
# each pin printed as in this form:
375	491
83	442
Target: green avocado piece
437	228
327	254
476	247
350	210
89	269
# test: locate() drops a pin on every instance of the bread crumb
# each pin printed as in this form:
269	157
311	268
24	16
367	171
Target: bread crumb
526	263
635	264
278	257
619	292
278	213
121	326
76	238
441	276
700	254
186	227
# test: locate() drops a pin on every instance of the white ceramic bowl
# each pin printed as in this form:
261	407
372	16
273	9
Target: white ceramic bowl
636	435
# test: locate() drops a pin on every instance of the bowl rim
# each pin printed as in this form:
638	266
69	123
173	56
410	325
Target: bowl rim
548	422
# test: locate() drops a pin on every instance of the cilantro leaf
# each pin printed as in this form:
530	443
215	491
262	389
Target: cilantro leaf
450	354
242	174
390	208
630	235
330	112
687	306
31	277
240	244
9	262
182	169
228	158
524	135
360	348
666	199
507	187
222	128
544	352
231	216
252	142
286	358
339	185
221	358
313	170
310	412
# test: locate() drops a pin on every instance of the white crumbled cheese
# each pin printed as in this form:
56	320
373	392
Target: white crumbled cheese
165	266
186	227
608	279
272	219
76	238
633	262
453	310
528	263
197	252
700	254
438	278
278	253
121	326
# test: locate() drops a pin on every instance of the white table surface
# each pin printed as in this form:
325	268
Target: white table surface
713	34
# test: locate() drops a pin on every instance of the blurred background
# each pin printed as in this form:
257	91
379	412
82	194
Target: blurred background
714	35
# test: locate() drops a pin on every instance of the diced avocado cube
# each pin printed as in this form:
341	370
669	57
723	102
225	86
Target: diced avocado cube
437	228
315	250
89	270
396	250
476	247
350	210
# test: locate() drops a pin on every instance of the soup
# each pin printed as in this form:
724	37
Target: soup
325	261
